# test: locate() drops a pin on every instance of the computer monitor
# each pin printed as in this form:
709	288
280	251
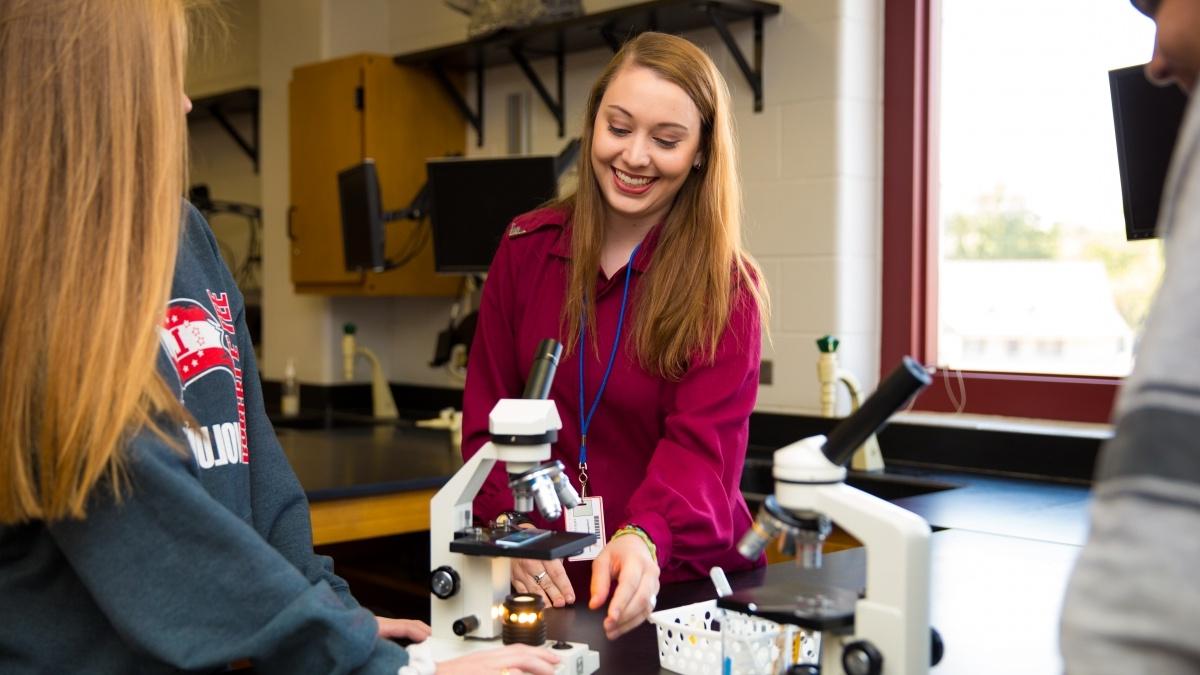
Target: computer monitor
473	200
1147	118
362	217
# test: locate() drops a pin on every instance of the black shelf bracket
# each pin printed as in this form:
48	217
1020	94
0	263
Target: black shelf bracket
555	106
609	29
753	74
474	118
610	38
250	147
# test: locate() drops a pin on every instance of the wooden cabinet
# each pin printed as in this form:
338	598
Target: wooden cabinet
342	112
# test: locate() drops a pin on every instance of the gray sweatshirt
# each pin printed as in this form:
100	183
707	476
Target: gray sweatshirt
1133	601
209	559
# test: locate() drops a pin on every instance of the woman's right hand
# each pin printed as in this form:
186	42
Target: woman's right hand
510	660
553	584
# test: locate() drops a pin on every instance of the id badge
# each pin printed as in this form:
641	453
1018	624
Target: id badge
588	518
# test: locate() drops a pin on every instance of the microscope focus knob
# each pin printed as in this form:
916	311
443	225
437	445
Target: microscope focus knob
465	625
862	658
444	582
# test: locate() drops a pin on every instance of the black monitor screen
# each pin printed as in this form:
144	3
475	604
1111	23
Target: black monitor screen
474	200
1147	118
362	217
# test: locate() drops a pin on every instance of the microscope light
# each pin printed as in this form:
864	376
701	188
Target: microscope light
523	620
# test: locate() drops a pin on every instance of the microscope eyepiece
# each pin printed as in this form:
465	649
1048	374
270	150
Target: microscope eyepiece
541	373
892	394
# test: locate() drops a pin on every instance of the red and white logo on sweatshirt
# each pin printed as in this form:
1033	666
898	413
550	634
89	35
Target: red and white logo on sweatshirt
200	344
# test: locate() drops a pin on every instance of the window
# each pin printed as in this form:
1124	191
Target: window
1004	248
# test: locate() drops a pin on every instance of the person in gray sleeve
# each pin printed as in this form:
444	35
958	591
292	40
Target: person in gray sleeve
1133	601
149	520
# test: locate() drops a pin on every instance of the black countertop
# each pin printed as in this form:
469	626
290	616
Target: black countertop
1025	508
1019	507
360	459
1000	560
995	601
368	460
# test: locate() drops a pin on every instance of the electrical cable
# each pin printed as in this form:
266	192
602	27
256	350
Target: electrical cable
960	401
245	273
412	247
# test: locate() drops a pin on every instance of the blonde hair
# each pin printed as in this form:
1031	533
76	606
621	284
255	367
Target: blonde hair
92	163
700	265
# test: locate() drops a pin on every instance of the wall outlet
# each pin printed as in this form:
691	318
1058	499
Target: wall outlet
766	372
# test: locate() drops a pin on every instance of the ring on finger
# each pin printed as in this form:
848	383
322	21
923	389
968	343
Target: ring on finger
537	578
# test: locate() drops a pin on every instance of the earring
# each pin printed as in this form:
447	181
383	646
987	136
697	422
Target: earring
696	166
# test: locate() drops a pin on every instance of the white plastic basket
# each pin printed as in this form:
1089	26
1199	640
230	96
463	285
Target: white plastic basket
688	644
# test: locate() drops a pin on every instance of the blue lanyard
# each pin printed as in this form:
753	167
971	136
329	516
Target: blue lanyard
585	421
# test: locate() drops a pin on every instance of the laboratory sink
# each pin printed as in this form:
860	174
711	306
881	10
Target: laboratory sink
757	482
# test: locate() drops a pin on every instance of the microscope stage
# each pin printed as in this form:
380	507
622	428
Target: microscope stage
813	607
557	545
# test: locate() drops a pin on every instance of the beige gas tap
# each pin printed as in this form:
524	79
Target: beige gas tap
382	404
868	457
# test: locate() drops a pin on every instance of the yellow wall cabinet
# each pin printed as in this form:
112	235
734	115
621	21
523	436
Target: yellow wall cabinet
342	112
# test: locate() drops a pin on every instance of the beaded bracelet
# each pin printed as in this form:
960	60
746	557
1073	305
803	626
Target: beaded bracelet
641	534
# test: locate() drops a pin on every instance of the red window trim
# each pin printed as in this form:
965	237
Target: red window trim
909	290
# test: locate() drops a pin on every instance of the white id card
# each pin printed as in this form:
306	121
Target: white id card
588	517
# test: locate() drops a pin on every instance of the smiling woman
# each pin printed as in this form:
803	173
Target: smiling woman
642	274
660	113
645	142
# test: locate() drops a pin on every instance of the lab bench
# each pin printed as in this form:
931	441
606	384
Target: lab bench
995	601
370	480
1002	548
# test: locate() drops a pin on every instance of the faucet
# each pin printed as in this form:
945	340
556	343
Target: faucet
868	457
383	406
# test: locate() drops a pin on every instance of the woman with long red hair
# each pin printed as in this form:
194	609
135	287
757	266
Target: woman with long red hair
642	274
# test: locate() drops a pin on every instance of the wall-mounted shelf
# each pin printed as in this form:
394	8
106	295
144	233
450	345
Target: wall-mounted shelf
225	104
604	29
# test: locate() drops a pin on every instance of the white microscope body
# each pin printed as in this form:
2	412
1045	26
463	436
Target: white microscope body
469	589
893	614
886	630
484	580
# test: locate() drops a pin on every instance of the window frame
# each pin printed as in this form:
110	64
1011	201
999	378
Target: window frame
909	246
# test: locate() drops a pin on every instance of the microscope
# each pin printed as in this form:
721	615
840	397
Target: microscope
886	629
471	604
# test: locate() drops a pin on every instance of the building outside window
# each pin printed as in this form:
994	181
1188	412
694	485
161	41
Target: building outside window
1005	259
1030	224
